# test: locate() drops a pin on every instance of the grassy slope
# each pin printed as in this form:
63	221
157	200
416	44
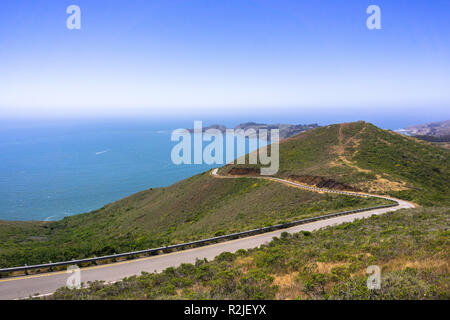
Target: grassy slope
372	159
195	208
410	246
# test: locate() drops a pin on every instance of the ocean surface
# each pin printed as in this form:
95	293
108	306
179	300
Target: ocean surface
52	170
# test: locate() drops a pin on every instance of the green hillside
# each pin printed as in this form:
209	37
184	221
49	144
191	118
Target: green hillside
371	159
195	208
411	248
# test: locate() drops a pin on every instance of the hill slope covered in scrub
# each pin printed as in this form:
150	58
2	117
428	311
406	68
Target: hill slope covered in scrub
368	158
195	208
411	247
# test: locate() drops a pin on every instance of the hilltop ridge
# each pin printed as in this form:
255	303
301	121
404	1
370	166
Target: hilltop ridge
368	158
286	130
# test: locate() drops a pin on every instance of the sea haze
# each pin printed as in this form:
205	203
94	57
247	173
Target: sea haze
53	170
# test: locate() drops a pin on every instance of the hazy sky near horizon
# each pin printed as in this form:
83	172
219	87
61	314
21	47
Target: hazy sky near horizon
160	57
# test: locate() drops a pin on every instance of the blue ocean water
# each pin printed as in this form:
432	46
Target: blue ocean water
51	170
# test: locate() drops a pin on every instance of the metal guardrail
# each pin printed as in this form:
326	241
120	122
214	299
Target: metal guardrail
198	242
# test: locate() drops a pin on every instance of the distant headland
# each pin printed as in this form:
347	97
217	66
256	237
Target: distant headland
286	130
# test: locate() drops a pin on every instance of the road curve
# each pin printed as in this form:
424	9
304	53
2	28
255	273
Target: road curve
45	283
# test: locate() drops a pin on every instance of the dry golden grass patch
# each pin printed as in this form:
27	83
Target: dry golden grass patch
288	287
244	264
438	265
382	185
325	267
285	280
352	165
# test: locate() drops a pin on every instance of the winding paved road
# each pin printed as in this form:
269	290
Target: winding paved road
46	283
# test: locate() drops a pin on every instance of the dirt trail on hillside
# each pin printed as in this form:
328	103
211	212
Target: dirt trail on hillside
376	183
316	181
381	184
340	149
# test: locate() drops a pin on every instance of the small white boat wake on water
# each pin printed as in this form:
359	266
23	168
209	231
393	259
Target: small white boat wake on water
101	152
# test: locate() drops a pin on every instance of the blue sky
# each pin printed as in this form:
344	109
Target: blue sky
221	58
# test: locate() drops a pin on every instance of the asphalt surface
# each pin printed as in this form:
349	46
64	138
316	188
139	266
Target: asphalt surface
46	283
